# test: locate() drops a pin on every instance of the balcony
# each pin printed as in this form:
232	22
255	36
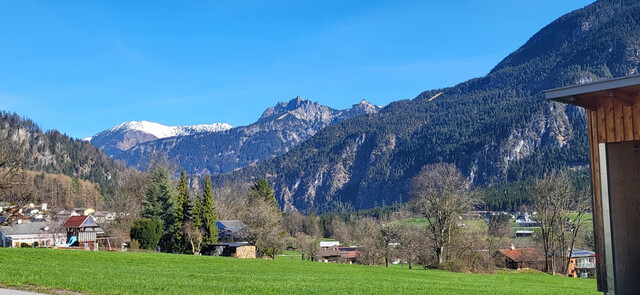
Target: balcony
586	265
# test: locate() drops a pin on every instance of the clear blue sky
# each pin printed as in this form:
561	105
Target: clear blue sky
85	66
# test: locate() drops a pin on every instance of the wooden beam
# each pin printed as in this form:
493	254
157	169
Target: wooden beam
587	102
601	124
635	110
627	113
618	118
620	96
610	131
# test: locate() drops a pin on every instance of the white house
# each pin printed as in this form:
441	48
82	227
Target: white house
46	234
329	244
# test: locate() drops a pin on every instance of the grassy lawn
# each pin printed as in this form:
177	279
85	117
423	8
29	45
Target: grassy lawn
156	273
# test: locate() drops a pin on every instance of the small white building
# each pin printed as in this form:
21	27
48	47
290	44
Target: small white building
329	244
46	234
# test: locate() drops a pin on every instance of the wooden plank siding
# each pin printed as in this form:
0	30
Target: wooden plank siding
598	225
611	121
616	121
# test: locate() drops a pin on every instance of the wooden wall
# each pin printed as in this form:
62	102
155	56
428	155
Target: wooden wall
610	120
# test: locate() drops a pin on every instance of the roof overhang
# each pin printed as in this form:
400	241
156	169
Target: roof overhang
624	90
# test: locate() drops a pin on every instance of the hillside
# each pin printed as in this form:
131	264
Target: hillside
55	153
278	129
496	129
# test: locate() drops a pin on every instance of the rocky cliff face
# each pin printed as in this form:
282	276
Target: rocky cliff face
278	129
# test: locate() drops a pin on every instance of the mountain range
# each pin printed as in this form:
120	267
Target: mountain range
496	129
122	137
218	148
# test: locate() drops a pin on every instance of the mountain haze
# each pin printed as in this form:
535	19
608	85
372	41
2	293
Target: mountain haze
278	129
496	129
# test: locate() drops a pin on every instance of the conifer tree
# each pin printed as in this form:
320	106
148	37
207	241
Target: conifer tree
160	204
180	214
207	214
261	192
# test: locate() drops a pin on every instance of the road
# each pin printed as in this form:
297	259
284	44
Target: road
16	292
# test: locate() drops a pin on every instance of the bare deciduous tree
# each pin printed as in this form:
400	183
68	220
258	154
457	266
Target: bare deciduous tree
12	154
441	193
230	200
368	233
555	198
264	220
194	236
412	241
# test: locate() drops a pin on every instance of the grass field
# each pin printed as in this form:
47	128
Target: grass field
156	273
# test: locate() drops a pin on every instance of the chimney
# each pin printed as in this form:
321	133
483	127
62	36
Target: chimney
512	247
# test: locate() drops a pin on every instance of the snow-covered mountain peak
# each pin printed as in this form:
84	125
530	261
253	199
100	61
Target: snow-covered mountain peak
162	131
128	134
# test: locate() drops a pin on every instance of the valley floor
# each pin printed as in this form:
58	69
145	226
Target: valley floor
157	273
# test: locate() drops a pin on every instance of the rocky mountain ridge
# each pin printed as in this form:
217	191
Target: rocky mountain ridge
122	137
278	129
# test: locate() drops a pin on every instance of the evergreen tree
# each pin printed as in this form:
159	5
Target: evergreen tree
147	232
160	204
183	192
207	214
178	240
261	192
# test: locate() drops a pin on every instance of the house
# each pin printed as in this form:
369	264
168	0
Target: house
41	234
104	216
520	258
582	264
84	211
82	231
524	220
524	233
329	244
237	250
349	254
339	254
330	255
231	230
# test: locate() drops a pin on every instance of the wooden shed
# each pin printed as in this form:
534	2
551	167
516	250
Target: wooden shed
83	230
613	118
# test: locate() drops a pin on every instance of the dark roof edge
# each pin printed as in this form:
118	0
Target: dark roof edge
563	94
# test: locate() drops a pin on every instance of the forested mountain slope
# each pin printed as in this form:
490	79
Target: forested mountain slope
56	153
496	129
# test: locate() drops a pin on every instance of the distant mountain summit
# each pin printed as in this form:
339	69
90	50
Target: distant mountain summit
122	137
280	128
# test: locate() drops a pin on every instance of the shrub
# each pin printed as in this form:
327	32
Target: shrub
134	244
147	232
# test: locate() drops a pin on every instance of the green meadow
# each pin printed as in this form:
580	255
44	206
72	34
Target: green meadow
50	270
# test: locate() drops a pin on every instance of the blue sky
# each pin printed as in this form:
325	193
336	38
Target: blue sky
85	66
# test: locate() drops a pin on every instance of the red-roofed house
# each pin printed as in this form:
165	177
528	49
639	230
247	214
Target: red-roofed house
520	258
83	229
